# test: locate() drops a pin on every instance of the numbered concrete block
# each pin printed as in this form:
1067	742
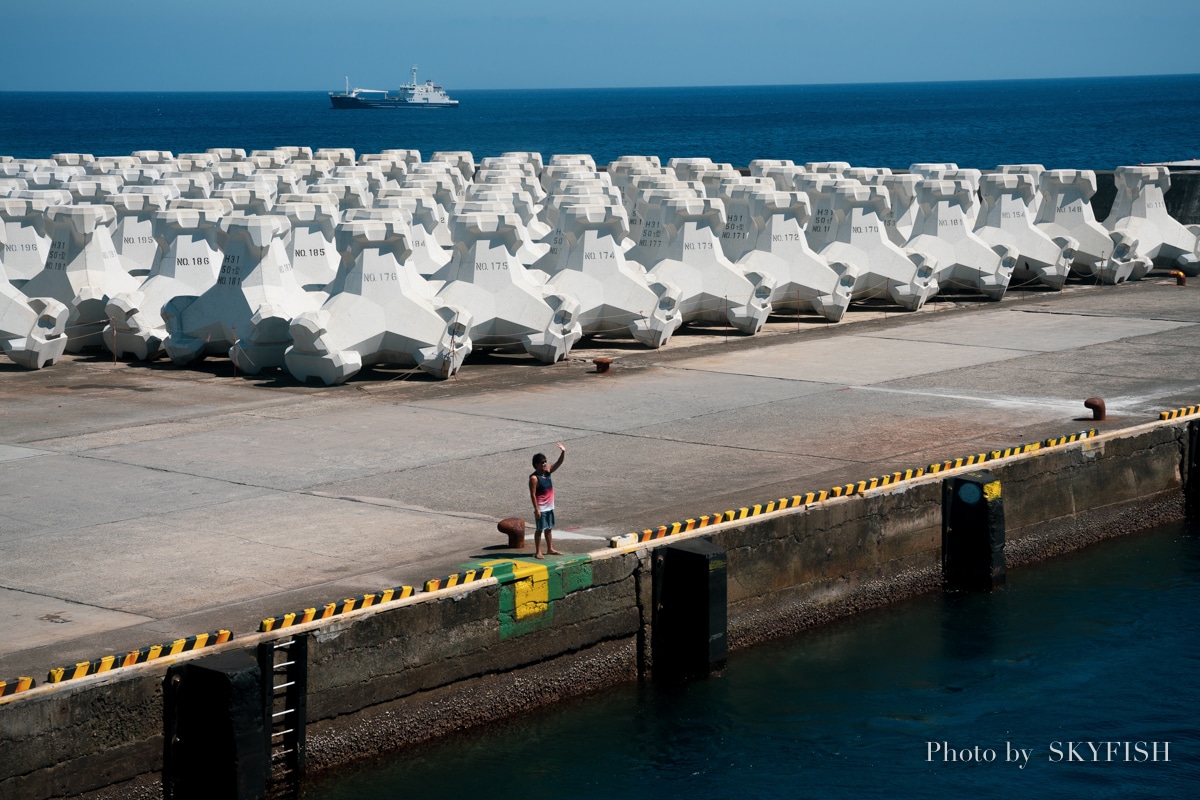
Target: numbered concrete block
712	288
311	170
720	174
1140	213
963	259
428	256
516	197
82	270
439	183
652	240
381	310
902	190
508	305
860	240
247	312
462	161
188	262
311	246
393	169
521	176
804	281
133	234
1034	171
784	176
529	251
827	167
950	172
819	188
340	156
27	233
370	173
433	218
1007	220
1065	211
617	298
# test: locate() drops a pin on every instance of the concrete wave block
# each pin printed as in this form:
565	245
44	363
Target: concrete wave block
381	310
783	175
649	219
73	159
617	297
51	177
24	216
712	288
520	201
197	185
1034	171
827	167
461	160
226	171
902	190
529	251
83	270
508	305
409	157
758	165
425	217
340	156
1140	213
804	280
195	162
250	197
133	234
246	313
1065	211
32	330
350	192
819	188
273	158
188	262
1006	219
10	186
522	176
311	246
686	169
154	156
286	179
392	168
311	169
227	154
371	173
297	152
93	188
860	239
963	259
931	169
441	171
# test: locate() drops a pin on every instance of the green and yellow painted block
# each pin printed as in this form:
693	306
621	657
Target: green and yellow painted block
529	588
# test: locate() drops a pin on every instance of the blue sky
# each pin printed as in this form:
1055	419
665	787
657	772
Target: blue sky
223	45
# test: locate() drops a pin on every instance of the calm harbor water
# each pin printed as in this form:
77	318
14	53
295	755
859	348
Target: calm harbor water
1093	123
1102	645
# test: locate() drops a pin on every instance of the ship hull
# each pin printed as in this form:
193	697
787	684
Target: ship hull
343	101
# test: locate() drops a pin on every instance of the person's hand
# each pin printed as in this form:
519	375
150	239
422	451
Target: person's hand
560	446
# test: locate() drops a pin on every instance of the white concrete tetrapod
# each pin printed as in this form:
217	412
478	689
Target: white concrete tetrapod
1006	219
32	329
27	231
1065	211
963	259
1140	213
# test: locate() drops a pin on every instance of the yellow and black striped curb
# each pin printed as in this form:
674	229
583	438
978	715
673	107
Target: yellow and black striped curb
85	668
845	490
1175	413
458	578
333	609
14	685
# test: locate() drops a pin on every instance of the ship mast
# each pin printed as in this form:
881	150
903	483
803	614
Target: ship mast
414	75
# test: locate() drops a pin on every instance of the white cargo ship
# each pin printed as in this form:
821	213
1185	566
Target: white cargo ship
410	95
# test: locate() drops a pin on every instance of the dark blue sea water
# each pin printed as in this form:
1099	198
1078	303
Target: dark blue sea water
1094	123
1102	645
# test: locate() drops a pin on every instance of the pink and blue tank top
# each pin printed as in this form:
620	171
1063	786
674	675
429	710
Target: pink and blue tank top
544	494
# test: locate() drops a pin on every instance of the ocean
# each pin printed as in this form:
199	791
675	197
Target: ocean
1098	646
1094	123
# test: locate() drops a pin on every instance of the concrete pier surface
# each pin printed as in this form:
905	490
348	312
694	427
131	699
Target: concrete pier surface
144	502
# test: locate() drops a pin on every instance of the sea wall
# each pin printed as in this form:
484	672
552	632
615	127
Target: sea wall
404	672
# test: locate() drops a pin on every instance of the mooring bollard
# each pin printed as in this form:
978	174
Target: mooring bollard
972	533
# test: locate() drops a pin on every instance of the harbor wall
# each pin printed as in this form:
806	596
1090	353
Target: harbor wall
455	658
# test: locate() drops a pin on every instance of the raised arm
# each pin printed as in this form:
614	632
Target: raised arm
562	454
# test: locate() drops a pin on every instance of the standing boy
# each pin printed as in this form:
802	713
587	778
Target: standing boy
541	492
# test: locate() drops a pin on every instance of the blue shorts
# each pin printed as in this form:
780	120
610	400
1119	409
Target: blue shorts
545	520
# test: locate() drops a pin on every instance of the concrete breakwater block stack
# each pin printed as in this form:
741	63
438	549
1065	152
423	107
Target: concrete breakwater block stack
1140	213
93	188
188	263
82	270
860	239
1065	211
509	306
805	281
246	313
616	297
27	232
712	288
818	188
380	310
943	230
1006	219
902	213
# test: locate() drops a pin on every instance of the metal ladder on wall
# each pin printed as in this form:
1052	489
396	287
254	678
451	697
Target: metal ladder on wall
284	666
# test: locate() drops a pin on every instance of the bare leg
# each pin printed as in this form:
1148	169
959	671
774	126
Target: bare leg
537	543
550	544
